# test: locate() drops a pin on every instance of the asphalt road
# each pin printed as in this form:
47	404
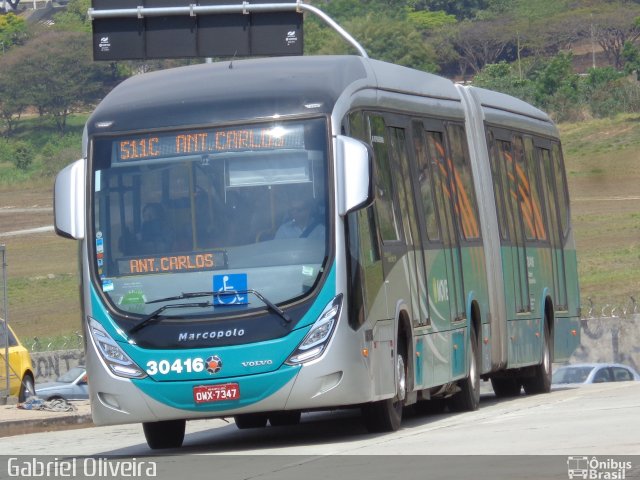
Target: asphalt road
591	420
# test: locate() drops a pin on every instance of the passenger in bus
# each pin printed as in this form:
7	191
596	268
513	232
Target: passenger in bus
304	222
155	235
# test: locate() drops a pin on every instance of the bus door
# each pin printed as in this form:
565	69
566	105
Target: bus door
388	214
393	251
402	180
445	204
447	305
556	206
513	184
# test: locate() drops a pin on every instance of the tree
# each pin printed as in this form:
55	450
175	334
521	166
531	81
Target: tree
631	56
387	39
75	17
615	27
502	77
482	42
461	9
430	21
13	31
343	10
56	73
12	99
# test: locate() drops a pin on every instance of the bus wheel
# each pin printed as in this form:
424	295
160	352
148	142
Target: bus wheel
284	419
468	398
386	415
540	382
506	387
165	434
251	420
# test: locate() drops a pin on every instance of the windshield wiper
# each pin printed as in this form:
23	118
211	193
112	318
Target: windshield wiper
261	297
155	315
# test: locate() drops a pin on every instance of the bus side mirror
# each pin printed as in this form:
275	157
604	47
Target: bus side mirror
354	168
68	201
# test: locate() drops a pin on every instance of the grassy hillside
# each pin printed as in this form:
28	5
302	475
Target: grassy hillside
604	178
603	169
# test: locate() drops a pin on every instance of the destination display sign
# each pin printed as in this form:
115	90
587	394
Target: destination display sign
138	29
212	141
172	263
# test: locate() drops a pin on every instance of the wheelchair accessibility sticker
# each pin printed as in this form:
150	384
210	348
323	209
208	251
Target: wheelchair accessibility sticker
230	289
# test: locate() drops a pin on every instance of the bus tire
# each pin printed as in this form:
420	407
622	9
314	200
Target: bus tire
165	434
540	382
251	420
386	415
506	387
284	419
468	398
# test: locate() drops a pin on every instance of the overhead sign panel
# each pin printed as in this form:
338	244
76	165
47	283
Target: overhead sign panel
150	29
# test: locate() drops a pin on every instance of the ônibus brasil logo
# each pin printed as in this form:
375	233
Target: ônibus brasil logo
596	469
214	364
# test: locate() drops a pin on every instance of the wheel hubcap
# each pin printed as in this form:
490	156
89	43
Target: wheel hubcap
472	370
402	380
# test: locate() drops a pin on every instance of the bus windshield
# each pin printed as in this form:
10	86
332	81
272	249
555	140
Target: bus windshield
225	209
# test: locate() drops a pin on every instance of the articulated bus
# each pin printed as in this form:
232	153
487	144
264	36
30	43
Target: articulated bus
265	237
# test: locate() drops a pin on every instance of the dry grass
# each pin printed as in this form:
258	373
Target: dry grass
603	170
41	268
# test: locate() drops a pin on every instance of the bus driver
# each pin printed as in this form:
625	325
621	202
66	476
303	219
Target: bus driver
304	222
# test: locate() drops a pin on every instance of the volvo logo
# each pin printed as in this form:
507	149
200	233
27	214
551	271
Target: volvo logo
257	363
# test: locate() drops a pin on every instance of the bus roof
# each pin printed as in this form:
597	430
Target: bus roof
248	89
245	90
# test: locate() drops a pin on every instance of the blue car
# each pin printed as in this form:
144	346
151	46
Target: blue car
70	386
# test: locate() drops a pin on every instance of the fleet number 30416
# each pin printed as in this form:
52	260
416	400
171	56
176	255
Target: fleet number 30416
164	367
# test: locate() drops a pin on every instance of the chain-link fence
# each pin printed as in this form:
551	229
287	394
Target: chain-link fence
610	333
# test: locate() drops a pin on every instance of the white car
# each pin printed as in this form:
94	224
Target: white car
70	386
580	373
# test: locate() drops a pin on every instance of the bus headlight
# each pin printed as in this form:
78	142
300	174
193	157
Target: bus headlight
318	337
115	358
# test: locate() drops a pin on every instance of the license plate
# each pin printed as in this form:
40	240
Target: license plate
216	393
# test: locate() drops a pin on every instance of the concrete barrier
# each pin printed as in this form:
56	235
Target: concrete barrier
50	365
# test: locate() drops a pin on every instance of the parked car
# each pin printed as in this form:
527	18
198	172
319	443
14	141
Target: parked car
70	386
21	383
594	373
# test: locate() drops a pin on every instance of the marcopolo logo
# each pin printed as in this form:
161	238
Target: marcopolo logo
214	364
597	469
213	335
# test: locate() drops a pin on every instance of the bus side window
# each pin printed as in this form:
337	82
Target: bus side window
425	183
462	182
500	189
524	196
536	203
357	126
384	204
561	188
442	190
